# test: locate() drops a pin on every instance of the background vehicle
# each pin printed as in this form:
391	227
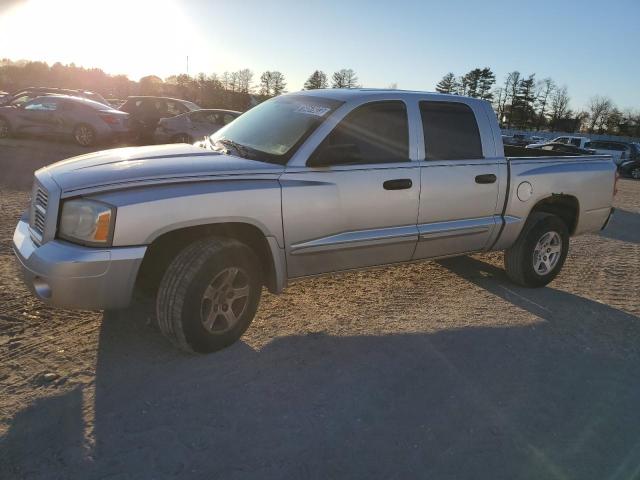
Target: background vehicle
303	184
520	139
619	151
565	148
26	94
579	142
630	168
146	112
194	125
85	121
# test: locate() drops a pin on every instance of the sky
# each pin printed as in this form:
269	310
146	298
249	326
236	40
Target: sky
589	46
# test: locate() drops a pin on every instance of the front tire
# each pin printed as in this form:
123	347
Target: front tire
209	294
540	251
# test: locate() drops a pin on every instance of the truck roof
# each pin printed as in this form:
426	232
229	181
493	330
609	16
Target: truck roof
345	94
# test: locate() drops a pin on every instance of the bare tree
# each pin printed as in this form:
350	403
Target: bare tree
559	105
345	78
599	110
318	79
244	78
545	89
511	84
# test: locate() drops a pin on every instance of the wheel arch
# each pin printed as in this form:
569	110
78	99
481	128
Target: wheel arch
566	207
166	246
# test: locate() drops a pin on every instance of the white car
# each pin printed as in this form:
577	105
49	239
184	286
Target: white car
579	142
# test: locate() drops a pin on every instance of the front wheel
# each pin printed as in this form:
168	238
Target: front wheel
84	135
209	294
540	251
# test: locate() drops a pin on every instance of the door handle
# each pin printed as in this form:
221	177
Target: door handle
398	184
486	178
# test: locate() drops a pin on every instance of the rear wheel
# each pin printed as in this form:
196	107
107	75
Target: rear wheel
182	138
209	294
5	127
539	253
84	135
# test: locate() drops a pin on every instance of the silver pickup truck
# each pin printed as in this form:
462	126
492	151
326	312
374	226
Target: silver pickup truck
303	184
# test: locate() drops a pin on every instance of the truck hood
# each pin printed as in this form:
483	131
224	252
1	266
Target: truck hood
125	167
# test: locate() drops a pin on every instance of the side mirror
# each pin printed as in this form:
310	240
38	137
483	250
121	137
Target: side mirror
342	154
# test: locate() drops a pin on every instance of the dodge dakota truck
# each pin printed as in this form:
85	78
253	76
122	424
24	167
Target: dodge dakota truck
303	184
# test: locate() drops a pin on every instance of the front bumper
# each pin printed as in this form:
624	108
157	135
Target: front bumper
62	274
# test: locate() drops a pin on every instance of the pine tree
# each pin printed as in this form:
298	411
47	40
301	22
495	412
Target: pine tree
318	79
448	84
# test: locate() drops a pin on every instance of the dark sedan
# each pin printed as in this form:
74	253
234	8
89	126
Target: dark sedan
188	127
85	121
146	113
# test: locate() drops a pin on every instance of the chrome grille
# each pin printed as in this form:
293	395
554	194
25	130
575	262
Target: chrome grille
39	209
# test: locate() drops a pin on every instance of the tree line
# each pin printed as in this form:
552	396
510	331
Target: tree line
237	90
520	101
524	102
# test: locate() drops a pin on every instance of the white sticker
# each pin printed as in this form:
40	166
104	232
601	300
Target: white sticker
312	110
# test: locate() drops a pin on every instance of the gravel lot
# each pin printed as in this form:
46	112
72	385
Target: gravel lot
438	370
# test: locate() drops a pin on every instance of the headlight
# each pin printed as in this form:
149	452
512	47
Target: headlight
87	222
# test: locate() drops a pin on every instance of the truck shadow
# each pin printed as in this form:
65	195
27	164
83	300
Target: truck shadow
624	226
554	399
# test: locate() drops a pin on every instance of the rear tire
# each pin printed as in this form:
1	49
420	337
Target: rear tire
209	294
540	251
5	128
84	135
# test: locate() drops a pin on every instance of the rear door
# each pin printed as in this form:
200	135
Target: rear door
460	179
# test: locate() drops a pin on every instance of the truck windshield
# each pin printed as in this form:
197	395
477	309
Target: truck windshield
274	129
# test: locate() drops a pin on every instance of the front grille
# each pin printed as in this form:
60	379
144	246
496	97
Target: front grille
39	209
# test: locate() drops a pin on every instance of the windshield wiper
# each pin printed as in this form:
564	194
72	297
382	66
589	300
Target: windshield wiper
241	149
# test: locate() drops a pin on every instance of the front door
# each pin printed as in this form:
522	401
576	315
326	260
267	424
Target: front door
355	203
459	208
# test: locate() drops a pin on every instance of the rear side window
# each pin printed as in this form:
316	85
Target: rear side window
575	141
377	132
450	131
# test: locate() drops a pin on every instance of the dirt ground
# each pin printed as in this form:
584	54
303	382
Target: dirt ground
440	370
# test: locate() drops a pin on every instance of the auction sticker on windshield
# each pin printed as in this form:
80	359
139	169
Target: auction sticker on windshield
312	109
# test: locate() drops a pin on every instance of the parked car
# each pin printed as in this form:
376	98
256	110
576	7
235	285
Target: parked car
194	125
579	142
22	96
620	151
564	148
630	168
85	121
303	184
146	113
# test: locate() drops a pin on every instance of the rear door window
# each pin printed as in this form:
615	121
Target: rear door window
450	131
575	142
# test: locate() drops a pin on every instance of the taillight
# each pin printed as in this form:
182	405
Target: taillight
110	119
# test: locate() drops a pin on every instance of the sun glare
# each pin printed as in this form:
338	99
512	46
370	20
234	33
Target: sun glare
135	38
